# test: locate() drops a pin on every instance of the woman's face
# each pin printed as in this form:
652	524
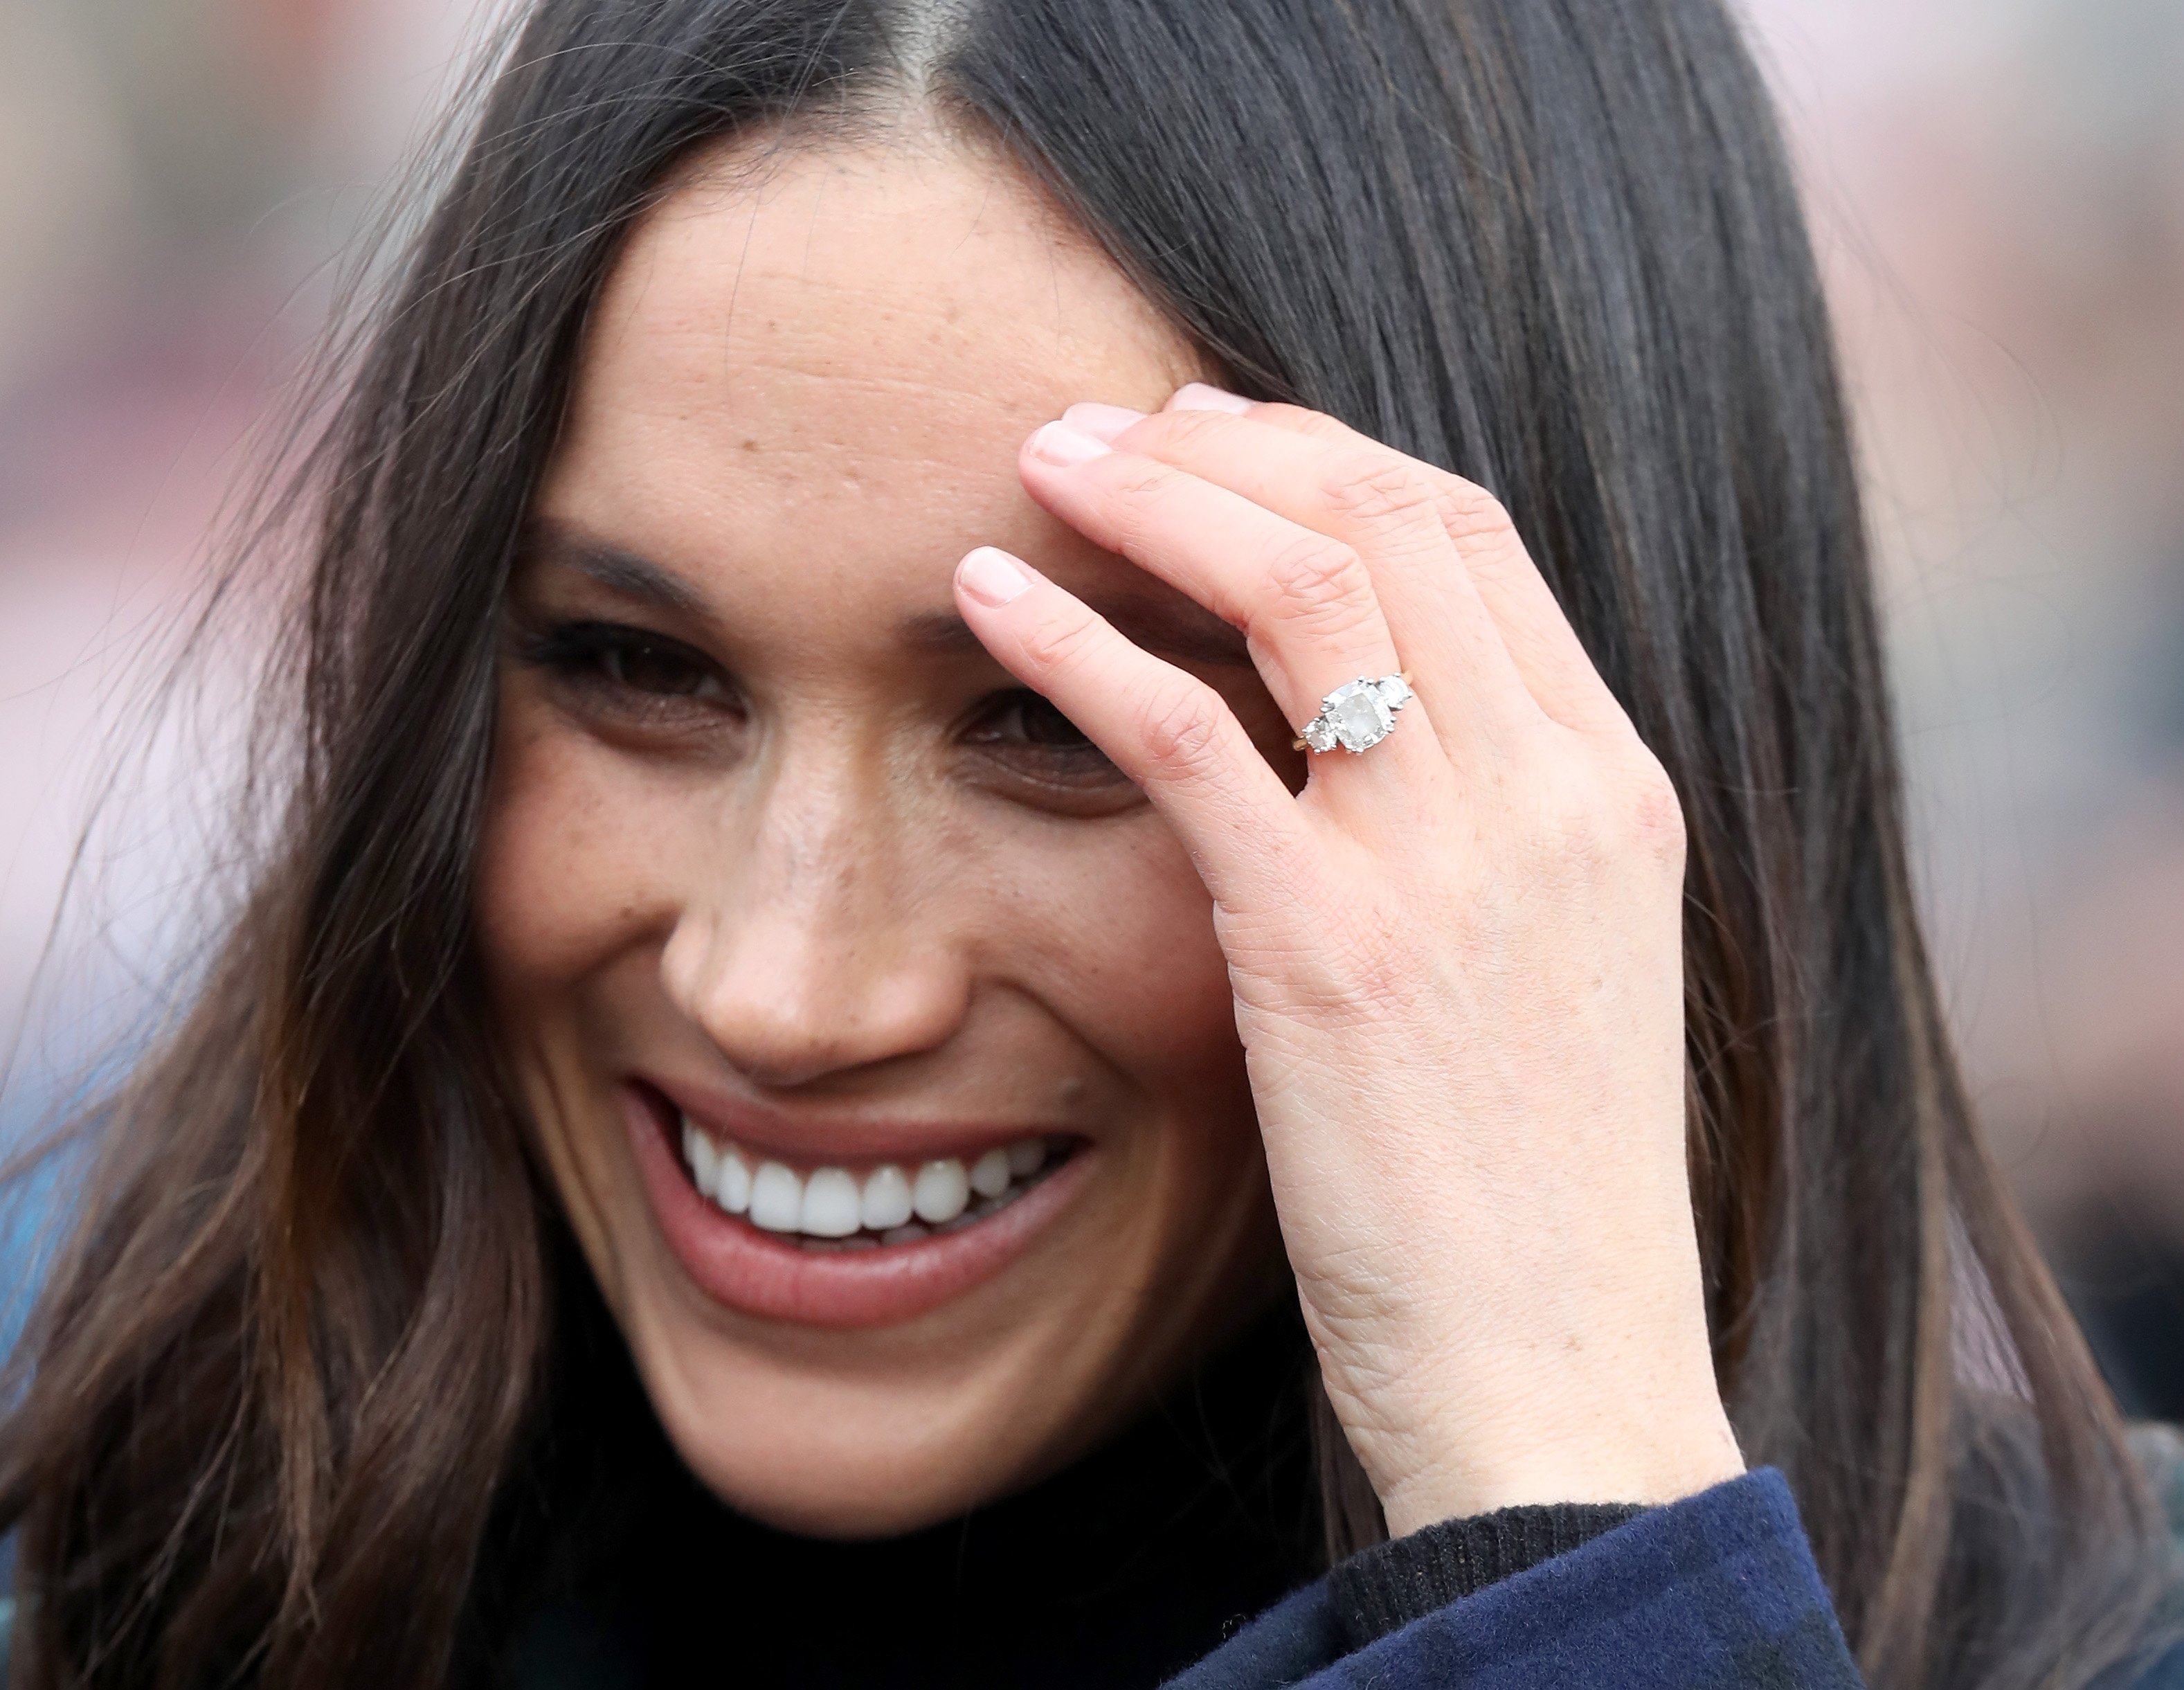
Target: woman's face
873	1026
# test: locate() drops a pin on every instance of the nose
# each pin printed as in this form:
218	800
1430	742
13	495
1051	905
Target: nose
822	943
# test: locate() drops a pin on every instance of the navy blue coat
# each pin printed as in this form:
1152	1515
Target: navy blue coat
1714	1591
1717	1590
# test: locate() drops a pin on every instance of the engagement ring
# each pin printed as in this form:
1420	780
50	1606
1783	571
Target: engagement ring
1359	714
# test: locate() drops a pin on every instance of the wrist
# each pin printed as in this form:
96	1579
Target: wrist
1648	1460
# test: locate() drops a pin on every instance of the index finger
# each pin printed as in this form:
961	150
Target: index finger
1170	732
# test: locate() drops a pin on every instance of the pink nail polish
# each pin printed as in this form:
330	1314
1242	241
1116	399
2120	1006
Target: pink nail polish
991	576
1198	396
1102	421
1060	444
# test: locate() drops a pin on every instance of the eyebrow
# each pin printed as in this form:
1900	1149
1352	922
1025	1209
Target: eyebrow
1186	631
1179	629
621	572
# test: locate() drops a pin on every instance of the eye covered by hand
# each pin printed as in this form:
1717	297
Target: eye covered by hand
1457	953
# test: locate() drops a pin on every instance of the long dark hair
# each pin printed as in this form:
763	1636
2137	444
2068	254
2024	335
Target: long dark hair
272	1396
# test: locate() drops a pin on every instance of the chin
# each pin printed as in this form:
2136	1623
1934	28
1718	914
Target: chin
830	1499
869	1446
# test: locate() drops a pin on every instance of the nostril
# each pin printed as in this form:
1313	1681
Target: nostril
811	955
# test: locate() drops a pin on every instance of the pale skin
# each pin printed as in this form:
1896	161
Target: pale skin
1408	1022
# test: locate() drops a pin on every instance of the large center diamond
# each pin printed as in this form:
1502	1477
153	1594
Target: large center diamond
1359	716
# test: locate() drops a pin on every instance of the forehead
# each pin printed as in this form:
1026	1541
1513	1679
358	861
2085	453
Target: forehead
929	264
850	342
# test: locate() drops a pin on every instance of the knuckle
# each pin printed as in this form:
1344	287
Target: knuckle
1299	420
1137	499
1059	642
1180	729
1186	428
1319	583
1576	807
1378	488
1625	814
1469	511
1654	810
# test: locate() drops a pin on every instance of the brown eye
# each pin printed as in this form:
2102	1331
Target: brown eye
629	670
659	669
1042	724
1024	719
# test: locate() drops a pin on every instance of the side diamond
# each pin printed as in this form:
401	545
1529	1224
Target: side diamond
1395	691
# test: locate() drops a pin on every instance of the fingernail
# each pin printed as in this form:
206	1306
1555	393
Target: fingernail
1102	421
1057	443
1198	396
991	576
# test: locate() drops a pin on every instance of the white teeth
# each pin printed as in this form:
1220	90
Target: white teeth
830	1205
1027	1156
886	1199
705	1162
839	1209
734	1189
941	1192
989	1173
776	1197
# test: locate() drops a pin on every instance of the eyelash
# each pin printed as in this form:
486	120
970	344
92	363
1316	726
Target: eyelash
600	657
596	658
1033	712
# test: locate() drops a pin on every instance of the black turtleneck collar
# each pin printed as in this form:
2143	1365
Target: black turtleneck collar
619	1570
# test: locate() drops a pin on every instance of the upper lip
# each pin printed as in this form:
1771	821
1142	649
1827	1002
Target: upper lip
821	1139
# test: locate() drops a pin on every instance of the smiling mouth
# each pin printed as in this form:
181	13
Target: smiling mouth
831	1209
768	1238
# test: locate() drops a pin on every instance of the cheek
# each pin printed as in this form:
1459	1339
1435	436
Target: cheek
566	901
1128	956
564	881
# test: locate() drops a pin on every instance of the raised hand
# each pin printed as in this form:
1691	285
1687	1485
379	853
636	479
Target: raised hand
1457	955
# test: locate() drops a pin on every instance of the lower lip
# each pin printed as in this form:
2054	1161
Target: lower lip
760	1273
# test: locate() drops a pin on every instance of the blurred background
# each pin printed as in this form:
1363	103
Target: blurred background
1998	191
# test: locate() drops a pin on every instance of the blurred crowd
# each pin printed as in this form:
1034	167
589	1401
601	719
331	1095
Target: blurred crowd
1999	193
1998	190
